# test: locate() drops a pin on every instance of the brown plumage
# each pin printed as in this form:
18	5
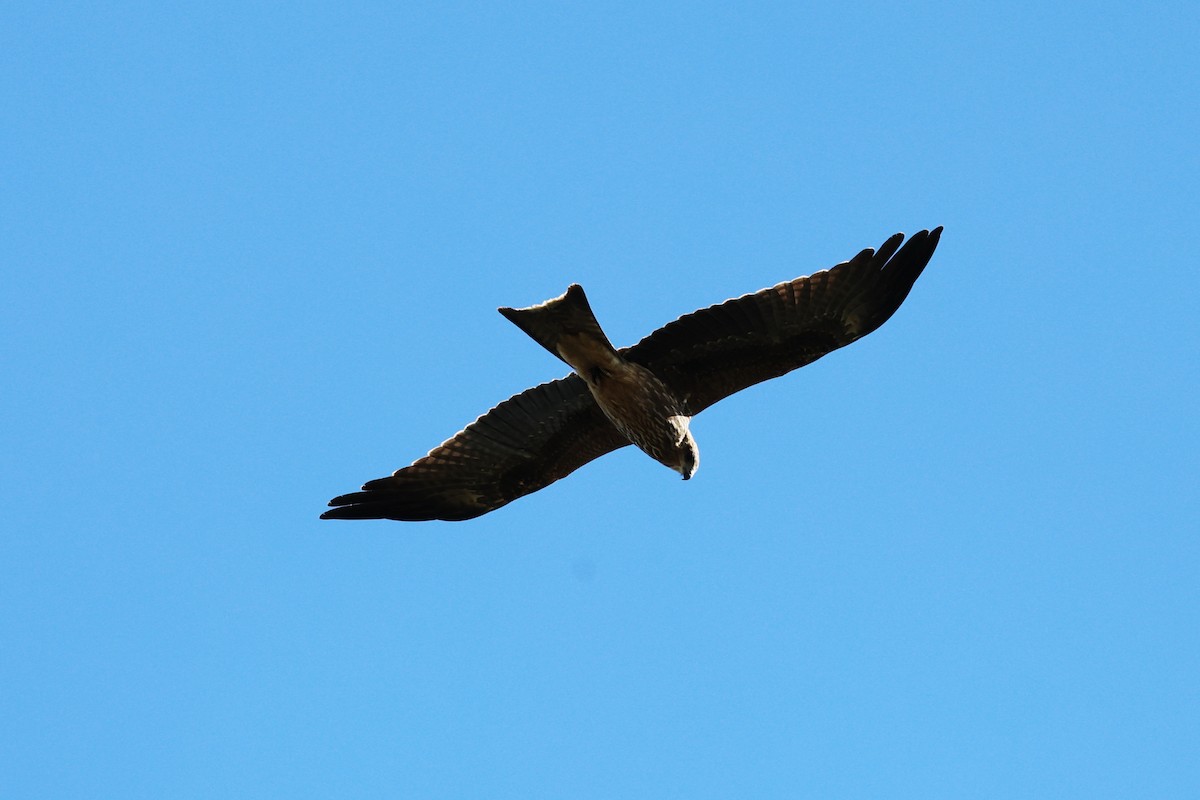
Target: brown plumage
644	394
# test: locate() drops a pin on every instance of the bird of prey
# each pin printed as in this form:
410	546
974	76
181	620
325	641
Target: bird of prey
643	395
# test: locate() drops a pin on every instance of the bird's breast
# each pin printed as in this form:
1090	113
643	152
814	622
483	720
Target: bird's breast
641	407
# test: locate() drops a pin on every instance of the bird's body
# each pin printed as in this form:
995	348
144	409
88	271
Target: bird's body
645	394
646	413
636	402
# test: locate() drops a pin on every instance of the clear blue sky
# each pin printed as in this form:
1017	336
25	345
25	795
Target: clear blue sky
252	256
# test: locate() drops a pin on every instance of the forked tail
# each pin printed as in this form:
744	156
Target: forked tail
566	327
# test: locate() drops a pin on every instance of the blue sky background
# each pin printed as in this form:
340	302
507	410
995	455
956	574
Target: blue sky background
252	256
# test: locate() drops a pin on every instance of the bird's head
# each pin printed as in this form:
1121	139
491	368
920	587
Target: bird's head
688	457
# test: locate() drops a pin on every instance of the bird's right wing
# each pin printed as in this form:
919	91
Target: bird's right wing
716	351
525	443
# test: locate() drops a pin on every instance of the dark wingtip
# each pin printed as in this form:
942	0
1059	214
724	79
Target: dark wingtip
336	504
350	512
931	235
386	482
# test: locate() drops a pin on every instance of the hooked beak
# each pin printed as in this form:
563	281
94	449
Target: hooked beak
689	460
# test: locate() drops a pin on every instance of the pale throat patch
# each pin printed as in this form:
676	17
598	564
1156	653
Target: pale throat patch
680	424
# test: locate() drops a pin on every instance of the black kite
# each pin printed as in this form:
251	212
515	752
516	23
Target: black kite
645	394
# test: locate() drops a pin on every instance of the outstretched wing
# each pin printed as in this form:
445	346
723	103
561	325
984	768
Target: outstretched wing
525	443
712	353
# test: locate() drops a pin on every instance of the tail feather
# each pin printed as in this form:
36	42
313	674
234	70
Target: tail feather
567	315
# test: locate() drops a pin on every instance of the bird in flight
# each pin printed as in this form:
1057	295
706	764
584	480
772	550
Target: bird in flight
645	394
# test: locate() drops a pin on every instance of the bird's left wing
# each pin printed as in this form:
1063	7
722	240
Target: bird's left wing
712	353
525	443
